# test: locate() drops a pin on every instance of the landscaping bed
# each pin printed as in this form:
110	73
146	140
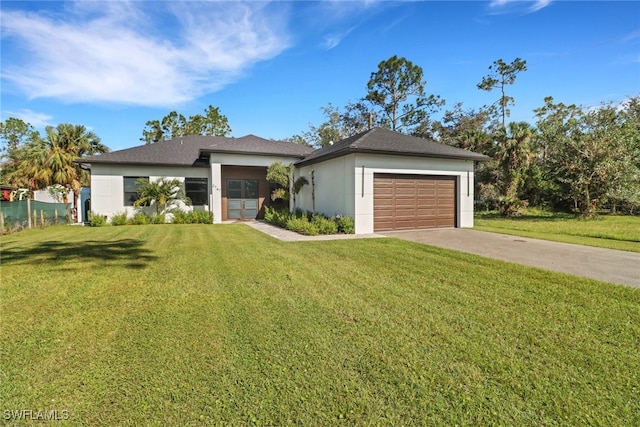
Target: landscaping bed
309	223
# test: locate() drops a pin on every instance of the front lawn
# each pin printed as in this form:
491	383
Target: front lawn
222	325
607	231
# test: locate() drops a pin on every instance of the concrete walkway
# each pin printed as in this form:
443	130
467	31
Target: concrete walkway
292	236
607	265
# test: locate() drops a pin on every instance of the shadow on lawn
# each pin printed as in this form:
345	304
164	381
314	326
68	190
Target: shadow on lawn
128	251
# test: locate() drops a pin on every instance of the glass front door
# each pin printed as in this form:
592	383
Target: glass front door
242	198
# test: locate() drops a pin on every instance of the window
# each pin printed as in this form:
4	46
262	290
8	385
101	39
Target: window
242	198
197	190
131	189
242	188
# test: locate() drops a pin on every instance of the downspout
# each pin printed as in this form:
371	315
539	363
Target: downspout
292	193
313	191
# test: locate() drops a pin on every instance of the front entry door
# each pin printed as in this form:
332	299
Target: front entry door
242	198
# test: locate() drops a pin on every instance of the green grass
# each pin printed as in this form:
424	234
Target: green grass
606	231
221	325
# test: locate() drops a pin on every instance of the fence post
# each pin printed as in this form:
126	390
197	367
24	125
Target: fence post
28	212
41	217
1	222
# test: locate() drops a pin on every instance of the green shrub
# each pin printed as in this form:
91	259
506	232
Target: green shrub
201	217
179	217
324	225
141	218
277	216
302	226
299	213
97	220
119	219
346	224
192	217
158	219
308	223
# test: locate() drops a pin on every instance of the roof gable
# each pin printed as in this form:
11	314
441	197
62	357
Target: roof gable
384	141
251	144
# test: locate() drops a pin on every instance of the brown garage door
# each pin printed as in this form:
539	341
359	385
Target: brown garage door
404	202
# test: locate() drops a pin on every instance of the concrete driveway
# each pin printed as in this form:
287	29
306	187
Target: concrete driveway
607	265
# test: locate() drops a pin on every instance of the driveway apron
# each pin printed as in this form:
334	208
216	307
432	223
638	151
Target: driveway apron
607	265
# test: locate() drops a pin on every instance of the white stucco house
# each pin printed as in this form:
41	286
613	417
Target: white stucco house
385	180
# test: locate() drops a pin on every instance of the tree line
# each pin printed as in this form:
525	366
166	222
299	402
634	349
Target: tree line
35	161
574	158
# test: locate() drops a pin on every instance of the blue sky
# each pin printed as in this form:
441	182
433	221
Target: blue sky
271	66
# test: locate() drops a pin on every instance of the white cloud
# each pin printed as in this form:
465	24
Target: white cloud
110	52
518	6
37	120
332	40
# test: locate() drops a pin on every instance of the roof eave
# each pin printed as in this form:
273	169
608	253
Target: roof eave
328	156
251	153
353	150
414	154
135	163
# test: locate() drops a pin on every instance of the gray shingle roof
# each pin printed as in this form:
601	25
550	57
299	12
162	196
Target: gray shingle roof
193	150
384	141
186	150
252	144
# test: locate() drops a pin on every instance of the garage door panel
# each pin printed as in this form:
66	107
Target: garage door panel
426	201
427	192
445	193
383	203
404	202
405	213
405	191
446	202
426	213
385	193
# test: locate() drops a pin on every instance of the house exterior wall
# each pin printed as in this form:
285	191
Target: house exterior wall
344	185
332	184
107	184
339	186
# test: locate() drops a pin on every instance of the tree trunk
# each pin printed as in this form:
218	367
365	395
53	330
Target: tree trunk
76	196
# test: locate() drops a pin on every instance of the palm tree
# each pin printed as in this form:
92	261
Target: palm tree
514	155
474	140
162	193
53	160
